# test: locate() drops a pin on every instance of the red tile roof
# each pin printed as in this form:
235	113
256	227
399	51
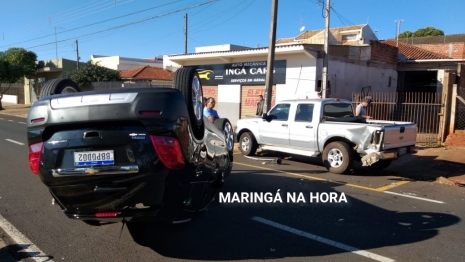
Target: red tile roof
148	73
412	52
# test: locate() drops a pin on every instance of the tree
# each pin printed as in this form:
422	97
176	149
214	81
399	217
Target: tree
405	34
427	31
89	73
15	63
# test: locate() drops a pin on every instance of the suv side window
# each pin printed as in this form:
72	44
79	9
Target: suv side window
304	113
280	112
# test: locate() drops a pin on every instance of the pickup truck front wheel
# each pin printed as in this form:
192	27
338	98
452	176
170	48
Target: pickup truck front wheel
338	157
247	144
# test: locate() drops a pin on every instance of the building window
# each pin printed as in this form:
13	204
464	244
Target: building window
352	37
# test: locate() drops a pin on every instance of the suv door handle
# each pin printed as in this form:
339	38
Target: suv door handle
308	126
284	124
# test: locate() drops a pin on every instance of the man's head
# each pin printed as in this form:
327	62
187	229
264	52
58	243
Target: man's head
367	102
261	97
211	102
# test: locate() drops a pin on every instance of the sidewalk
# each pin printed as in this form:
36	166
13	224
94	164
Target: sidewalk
18	110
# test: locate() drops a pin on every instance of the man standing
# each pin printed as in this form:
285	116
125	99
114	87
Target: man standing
361	110
260	106
208	110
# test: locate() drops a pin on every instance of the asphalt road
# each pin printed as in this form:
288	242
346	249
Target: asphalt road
387	217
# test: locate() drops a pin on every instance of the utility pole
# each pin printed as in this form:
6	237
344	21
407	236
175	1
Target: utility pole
270	60
185	33
56	45
324	81
398	21
77	55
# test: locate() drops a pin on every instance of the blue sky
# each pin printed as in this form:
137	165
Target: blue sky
148	28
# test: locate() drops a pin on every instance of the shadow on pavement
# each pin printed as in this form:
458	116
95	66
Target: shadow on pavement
17	252
227	231
427	165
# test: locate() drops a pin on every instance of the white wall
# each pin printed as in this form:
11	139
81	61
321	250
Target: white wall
10	99
346	78
440	78
229	101
300	78
119	63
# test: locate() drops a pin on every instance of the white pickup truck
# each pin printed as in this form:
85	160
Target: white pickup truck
327	128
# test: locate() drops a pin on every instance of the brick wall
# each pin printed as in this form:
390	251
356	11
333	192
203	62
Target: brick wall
457	49
383	53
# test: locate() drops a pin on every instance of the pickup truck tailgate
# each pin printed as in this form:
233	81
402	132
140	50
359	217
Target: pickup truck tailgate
399	135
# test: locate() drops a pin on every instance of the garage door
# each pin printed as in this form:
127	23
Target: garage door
210	91
249	99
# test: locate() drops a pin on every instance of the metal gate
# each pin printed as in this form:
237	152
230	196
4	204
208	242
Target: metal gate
460	109
422	108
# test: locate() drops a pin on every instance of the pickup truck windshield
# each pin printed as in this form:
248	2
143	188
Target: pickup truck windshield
338	110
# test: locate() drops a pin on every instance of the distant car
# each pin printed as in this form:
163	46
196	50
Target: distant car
130	154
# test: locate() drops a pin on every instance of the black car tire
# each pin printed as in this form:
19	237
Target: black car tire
226	128
59	86
187	81
248	144
338	157
380	165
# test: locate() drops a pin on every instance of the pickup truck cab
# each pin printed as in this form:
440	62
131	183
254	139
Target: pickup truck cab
326	128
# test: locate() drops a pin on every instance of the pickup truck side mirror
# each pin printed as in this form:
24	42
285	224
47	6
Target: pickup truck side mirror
266	117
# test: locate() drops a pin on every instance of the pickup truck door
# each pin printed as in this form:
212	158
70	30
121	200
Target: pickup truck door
303	127
276	131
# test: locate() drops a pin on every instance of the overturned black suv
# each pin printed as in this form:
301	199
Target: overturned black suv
131	154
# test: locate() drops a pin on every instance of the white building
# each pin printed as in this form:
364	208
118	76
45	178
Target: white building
235	78
124	63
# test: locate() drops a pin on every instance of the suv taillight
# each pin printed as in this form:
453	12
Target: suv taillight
35	152
169	151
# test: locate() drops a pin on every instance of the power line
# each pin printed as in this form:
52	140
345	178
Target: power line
206	22
37	26
128	24
84	26
211	27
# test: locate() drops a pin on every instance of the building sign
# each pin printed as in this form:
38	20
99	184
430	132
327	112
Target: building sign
209	92
250	97
245	73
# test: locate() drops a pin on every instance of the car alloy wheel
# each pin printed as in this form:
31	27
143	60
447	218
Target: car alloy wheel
335	157
197	98
228	136
245	144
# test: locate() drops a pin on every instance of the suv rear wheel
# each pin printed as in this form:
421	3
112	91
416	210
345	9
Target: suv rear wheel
187	81
59	86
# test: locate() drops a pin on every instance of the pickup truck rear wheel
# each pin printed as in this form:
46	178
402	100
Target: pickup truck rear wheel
380	165
187	81
247	144
338	157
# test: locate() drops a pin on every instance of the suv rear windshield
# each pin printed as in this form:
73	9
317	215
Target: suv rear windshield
338	110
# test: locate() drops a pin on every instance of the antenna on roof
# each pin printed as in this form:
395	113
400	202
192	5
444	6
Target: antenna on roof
302	27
